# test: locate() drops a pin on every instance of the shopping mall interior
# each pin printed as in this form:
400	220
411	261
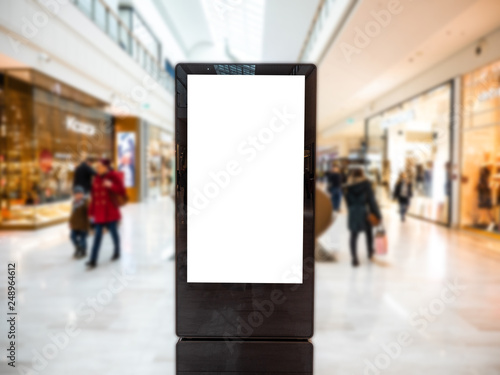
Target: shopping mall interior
404	88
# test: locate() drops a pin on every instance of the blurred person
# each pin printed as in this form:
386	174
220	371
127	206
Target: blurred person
419	179
485	198
334	180
378	177
30	199
428	179
344	172
361	205
79	221
403	192
107	191
448	179
84	174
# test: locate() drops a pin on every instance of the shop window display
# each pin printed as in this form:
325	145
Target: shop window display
126	157
159	162
480	187
414	137
46	129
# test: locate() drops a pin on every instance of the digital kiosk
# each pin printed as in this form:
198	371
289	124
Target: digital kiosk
245	192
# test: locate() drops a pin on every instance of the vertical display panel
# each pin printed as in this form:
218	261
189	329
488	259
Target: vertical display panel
263	290
125	162
245	172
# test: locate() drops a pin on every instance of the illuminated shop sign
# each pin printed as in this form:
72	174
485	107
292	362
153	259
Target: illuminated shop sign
79	127
489	94
398	119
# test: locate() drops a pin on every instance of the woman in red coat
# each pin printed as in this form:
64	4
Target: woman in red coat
104	210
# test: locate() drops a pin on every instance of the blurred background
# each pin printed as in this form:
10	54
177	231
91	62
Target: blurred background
403	86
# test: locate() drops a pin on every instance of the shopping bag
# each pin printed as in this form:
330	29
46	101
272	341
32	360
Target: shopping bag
380	242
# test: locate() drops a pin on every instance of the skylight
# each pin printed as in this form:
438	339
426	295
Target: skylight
237	26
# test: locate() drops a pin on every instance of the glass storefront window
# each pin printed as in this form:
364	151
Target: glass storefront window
414	138
47	127
480	182
160	155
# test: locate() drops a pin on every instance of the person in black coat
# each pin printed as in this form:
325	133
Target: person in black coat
403	193
83	175
361	202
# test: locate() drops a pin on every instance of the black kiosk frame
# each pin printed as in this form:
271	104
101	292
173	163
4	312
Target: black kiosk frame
244	311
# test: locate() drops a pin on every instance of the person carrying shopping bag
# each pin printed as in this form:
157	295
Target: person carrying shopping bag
363	212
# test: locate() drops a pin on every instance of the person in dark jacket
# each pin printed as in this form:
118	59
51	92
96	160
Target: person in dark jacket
361	202
83	175
334	181
403	193
79	222
104	209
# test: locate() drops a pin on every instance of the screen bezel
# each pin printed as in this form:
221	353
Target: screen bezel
194	317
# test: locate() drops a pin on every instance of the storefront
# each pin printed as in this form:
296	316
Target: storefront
414	137
47	127
144	155
480	159
129	154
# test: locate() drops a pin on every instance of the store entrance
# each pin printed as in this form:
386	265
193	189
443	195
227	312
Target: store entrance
480	183
414	138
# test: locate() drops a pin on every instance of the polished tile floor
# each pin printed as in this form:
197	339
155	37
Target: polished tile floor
431	306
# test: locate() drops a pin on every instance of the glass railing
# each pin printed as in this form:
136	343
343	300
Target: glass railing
315	29
327	19
110	23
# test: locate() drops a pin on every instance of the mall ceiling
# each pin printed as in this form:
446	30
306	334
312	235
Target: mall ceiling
424	33
239	30
420	35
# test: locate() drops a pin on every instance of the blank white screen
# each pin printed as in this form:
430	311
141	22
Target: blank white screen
245	178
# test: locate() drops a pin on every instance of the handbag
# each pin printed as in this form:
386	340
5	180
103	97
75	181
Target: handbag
381	242
372	219
119	200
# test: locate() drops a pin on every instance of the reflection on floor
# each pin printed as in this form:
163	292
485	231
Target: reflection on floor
432	306
436	292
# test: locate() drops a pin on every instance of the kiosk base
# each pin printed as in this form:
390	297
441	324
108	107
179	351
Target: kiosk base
231	357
